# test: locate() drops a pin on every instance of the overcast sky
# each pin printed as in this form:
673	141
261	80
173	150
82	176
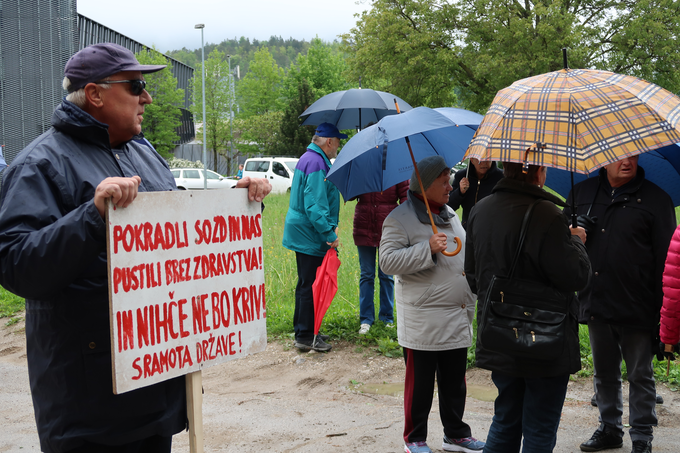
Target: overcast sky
169	24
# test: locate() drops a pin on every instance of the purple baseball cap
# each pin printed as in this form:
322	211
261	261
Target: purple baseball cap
99	61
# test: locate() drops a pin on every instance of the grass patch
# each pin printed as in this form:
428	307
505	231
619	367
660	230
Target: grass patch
10	305
342	319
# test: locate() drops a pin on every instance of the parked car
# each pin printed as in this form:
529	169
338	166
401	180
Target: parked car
278	170
192	179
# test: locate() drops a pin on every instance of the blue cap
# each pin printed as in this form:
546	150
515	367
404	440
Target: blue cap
328	130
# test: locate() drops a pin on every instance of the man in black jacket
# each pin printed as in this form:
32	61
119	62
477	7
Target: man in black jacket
472	184
53	253
629	222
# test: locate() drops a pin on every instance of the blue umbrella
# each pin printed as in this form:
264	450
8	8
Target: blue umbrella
352	109
662	167
378	157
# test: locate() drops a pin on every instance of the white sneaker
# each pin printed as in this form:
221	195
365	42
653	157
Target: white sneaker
364	329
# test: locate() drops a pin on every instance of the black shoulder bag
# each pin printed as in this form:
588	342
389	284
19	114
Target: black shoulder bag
522	318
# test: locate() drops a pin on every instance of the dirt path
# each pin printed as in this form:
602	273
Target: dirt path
283	401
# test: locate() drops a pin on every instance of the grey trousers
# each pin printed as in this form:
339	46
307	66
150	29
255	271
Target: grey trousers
609	344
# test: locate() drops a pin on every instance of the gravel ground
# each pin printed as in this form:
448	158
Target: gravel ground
284	401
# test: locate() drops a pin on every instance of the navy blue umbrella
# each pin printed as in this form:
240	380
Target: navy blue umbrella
378	157
352	109
662	167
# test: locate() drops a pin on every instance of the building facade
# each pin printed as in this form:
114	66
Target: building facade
37	37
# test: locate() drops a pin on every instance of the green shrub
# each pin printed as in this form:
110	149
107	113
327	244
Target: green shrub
10	305
183	163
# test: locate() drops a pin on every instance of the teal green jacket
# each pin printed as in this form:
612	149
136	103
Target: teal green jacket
314	206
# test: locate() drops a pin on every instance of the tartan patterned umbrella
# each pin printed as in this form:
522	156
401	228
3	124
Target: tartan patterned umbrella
577	120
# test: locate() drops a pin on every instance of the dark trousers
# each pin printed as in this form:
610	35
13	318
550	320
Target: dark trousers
421	369
529	407
154	444
303	318
611	344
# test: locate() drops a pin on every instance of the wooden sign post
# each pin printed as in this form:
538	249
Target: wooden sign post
194	413
186	289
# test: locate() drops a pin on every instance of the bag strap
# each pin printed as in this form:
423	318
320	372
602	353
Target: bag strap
522	235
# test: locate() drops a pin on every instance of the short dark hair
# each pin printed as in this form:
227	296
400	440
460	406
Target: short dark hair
513	170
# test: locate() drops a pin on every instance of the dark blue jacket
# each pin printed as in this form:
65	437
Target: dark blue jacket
53	253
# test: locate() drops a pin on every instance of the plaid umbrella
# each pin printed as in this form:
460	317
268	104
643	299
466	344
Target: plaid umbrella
577	120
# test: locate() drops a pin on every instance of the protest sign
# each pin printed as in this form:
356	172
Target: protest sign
186	284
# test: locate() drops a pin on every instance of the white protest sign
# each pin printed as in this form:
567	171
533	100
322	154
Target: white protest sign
186	284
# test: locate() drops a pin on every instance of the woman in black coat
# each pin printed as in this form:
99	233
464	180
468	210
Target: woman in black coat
530	392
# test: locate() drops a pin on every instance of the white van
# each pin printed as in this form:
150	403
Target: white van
278	170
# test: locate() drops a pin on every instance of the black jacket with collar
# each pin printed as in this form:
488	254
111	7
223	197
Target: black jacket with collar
479	188
627	249
551	256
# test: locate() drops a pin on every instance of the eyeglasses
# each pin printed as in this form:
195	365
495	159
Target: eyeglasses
137	86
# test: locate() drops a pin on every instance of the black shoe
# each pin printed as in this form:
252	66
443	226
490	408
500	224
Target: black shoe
307	345
659	400
642	446
323	336
602	440
593	400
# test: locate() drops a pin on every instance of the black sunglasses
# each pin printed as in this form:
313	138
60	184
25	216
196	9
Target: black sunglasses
137	86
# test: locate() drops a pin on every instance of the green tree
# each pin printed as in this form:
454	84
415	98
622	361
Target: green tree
259	91
313	76
162	117
186	56
258	134
218	98
429	51
323	67
293	138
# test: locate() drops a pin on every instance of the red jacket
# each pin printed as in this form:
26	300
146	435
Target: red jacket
372	209
670	312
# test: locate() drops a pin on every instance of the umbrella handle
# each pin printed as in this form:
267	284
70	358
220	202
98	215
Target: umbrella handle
459	243
427	205
458	247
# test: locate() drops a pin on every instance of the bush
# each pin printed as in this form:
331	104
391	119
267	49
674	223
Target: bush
10	305
183	163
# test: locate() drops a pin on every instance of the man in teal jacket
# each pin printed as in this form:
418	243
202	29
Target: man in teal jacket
312	227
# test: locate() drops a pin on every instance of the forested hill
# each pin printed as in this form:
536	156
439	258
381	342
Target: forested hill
284	51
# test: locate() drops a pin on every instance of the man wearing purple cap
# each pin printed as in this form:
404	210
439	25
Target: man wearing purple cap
311	227
53	253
